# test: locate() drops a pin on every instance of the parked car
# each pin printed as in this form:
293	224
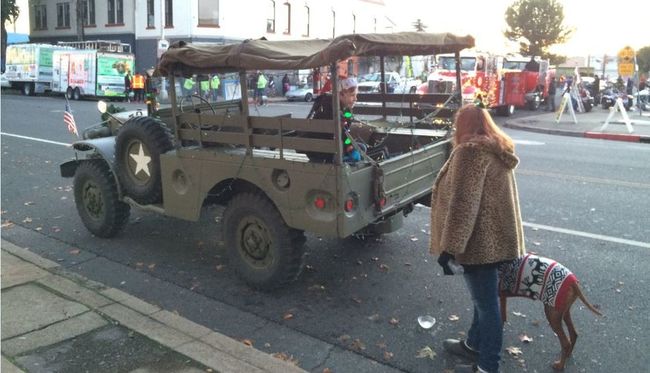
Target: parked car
303	93
4	83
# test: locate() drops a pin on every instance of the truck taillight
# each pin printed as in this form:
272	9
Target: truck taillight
349	204
319	203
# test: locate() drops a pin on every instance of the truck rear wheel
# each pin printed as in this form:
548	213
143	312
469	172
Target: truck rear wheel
76	94
138	147
96	198
264	251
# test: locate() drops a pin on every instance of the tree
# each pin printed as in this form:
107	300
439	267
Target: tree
10	12
419	26
643	60
536	25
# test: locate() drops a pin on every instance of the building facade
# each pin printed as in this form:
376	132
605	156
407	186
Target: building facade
145	23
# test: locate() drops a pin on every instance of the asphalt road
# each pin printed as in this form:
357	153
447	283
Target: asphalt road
354	308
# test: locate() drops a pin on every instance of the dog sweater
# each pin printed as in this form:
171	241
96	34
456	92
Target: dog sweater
536	277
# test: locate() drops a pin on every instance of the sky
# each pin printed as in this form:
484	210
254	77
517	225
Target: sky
598	30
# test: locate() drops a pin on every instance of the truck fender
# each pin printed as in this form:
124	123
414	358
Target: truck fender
100	148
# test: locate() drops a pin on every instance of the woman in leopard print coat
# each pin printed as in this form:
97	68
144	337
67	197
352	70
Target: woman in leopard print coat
475	219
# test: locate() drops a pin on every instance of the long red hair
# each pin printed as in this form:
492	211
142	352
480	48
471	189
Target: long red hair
472	121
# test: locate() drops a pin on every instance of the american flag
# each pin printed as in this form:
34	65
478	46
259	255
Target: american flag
68	118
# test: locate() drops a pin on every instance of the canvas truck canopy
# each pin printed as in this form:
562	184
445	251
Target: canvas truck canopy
184	59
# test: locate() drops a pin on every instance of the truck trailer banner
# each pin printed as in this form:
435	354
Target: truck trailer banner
111	69
29	62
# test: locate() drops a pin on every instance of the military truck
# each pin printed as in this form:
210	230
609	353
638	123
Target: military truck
195	153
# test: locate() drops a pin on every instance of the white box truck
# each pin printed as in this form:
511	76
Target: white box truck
90	72
29	67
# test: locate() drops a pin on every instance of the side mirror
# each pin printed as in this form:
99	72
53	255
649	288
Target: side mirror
101	106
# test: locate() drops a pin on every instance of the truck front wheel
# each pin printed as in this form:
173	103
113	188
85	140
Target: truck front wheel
263	250
96	198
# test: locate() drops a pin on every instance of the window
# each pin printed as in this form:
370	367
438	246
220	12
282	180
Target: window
209	13
169	13
333	24
307	20
40	17
287	7
88	12
115	12
270	18
151	14
63	15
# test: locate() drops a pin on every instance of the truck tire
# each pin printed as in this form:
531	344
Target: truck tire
138	147
96	198
76	94
263	250
28	89
534	104
506	111
68	93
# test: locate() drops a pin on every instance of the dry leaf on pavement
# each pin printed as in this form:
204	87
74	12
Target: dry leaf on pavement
514	351
247	342
525	339
519	314
426	352
388	355
27	220
357	345
393	321
287	316
374	317
453	318
74	251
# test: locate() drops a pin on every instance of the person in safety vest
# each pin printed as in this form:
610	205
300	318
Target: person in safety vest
204	84
215	82
188	86
261	84
127	86
138	87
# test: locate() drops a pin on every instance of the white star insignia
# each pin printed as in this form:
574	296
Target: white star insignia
141	161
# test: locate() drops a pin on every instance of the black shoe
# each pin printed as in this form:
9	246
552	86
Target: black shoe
460	348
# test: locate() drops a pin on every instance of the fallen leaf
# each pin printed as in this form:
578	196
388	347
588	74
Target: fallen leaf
357	345
536	322
74	251
316	287
374	317
327	370
356	300
344	338
408	264
287	316
219	267
151	266
514	351
393	321
7	224
56	229
359	262
309	268
28	203
139	264
384	267
525	339
536	243
519	314
374	258
27	220
413	239
426	352
388	355
39	229
382	345
285	357
247	342
453	318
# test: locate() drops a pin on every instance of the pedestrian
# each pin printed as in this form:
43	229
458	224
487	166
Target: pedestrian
215	83
285	84
261	85
127	86
188	86
138	87
595	88
550	98
204	87
476	223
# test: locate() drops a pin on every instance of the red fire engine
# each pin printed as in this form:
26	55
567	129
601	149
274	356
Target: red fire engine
483	77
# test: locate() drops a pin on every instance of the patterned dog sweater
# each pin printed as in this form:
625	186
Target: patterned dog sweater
536	277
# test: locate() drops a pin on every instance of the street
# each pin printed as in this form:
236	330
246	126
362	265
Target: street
355	306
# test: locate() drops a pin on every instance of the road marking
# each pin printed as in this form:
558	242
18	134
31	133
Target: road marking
586	179
594	236
528	142
35	139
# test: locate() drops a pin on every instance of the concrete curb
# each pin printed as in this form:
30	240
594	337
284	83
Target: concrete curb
210	348
632	137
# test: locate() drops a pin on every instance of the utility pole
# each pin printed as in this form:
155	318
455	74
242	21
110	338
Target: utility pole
80	7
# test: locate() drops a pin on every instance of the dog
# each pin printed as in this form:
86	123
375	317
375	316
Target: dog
544	279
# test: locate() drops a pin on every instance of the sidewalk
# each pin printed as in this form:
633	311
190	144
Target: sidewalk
589	125
58	321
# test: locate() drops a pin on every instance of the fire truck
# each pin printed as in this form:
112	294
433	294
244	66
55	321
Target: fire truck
526	81
483	78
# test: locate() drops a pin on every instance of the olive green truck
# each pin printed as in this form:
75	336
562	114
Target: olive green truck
197	152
